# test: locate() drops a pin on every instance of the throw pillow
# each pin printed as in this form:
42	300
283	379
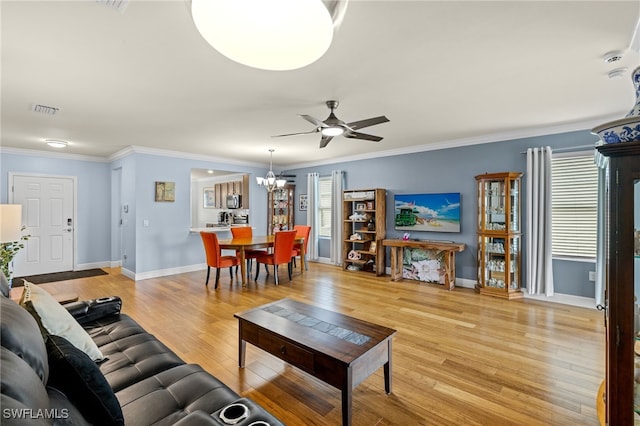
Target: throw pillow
80	379
55	319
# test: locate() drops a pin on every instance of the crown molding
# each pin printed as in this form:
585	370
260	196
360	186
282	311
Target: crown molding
456	143
134	149
50	154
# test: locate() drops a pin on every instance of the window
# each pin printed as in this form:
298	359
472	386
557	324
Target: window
324	206
575	205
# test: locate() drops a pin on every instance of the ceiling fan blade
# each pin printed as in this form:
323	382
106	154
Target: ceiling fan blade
368	122
363	136
325	141
293	134
313	120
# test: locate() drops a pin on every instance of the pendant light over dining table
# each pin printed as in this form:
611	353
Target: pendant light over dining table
270	182
273	35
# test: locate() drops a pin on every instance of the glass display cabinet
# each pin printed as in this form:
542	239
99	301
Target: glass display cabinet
621	396
499	235
280	203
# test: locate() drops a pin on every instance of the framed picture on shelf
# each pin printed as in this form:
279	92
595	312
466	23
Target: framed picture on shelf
166	191
208	198
369	205
303	202
360	206
372	247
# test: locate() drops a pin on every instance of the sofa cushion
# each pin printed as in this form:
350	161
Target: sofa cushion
23	393
171	395
80	379
132	353
56	320
20	334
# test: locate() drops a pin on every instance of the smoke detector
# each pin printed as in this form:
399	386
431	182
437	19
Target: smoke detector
613	56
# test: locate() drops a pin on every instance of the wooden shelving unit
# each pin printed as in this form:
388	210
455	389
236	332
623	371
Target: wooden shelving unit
499	235
363	229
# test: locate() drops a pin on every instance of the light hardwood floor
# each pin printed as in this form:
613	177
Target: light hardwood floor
459	358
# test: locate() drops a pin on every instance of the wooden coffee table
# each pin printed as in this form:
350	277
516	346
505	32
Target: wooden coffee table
339	350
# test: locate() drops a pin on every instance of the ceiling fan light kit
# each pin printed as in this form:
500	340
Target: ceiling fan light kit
273	35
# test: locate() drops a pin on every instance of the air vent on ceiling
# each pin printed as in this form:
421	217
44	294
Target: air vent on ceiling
119	5
43	109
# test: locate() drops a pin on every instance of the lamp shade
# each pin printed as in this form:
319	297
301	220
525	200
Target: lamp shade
271	35
10	222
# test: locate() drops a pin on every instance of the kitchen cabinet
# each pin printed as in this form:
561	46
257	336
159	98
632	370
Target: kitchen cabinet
621	386
499	235
363	229
239	187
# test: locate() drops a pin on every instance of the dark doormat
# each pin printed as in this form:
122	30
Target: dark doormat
58	276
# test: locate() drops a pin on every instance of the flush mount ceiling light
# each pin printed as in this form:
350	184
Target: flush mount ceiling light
273	35
55	143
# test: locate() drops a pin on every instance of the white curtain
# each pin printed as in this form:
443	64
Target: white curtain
601	247
539	275
312	214
337	185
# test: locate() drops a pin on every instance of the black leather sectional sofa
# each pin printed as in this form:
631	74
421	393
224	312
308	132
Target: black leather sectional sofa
151	384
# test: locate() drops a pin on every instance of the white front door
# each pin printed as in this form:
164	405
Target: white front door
49	216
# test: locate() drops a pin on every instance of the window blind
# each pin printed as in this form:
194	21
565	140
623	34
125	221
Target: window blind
324	206
574	206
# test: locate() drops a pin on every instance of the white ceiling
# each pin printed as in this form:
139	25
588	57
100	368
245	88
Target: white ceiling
445	73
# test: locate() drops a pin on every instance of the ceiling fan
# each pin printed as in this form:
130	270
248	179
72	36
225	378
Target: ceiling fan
332	126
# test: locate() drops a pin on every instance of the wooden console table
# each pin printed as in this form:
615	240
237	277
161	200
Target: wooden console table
450	249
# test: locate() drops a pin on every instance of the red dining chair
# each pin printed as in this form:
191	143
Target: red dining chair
282	253
301	231
215	259
249	255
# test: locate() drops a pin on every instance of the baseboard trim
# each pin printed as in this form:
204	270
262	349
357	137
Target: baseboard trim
92	265
169	271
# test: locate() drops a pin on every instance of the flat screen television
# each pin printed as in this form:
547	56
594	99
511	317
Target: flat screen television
427	212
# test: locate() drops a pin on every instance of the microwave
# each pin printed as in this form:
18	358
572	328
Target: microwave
234	201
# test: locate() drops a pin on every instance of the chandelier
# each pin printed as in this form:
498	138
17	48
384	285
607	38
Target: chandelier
270	182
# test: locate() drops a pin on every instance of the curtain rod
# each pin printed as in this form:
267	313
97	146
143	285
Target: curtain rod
569	148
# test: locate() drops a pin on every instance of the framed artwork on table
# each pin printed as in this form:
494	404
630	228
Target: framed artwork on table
303	202
208	198
166	191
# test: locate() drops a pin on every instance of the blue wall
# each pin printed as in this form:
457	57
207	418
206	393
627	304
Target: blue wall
166	242
454	170
93	178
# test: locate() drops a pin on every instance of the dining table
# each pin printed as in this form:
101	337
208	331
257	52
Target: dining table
241	244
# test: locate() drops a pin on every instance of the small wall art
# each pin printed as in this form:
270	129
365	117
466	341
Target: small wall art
166	191
303	202
208	198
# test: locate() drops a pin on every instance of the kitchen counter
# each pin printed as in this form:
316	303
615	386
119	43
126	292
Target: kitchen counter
217	228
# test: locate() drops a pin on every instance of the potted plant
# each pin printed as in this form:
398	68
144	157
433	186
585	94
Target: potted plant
8	251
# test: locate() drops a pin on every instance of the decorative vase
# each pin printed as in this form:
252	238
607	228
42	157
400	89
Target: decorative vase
625	129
